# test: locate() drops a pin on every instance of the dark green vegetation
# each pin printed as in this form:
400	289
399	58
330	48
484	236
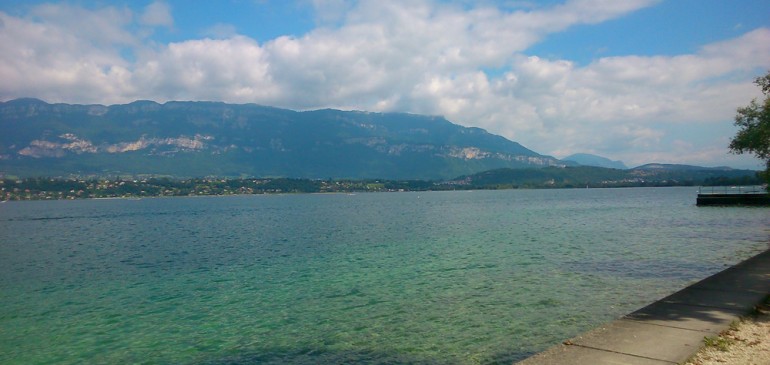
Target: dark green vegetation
193	139
599	177
754	122
550	177
47	188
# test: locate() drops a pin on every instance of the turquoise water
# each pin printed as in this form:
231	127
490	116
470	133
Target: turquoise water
391	278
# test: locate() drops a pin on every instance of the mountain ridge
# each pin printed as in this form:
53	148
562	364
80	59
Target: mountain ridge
680	167
587	159
203	138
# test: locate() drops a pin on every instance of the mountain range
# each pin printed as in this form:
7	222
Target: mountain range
182	139
586	159
193	139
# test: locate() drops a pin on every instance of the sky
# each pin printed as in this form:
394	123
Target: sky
639	81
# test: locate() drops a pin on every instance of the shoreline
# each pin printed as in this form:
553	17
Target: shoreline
65	189
672	329
290	193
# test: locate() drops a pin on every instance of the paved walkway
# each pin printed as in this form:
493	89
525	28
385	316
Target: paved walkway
672	329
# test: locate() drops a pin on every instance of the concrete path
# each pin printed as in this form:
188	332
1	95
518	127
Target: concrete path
672	329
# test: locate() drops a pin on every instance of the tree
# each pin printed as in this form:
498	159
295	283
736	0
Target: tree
754	123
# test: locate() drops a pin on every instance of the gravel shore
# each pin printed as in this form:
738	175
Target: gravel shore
745	343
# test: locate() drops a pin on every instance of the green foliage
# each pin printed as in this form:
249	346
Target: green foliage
552	177
718	342
49	189
754	123
598	177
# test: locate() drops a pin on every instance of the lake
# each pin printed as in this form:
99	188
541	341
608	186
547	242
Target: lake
477	277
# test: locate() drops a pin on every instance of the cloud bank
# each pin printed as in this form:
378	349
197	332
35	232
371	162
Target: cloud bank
466	62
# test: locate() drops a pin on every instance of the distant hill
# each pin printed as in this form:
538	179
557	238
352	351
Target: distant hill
590	176
676	167
586	159
195	139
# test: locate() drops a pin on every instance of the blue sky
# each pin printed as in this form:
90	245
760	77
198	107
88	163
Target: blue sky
668	28
636	80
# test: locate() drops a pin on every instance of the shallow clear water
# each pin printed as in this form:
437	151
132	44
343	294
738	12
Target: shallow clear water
396	278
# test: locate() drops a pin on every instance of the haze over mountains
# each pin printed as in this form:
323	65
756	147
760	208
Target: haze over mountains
586	159
196	139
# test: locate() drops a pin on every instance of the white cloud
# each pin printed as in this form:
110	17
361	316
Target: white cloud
104	27
614	95
232	69
157	14
62	52
331	12
415	56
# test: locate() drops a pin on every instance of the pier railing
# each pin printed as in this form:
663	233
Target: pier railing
729	190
